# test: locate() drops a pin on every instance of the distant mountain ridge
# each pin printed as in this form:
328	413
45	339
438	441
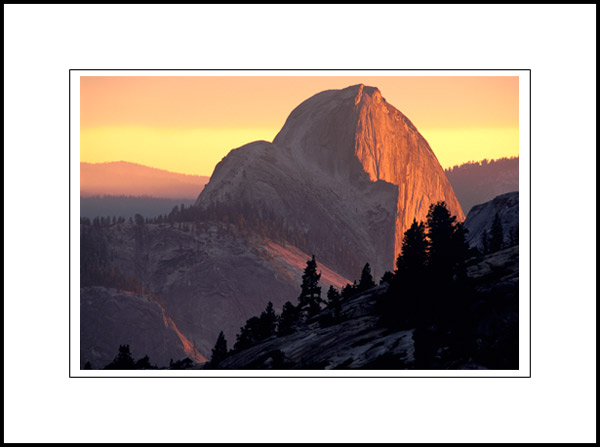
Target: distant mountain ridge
132	179
477	182
128	206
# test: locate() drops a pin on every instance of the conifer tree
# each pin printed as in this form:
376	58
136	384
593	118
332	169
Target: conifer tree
287	319
333	296
460	247
310	296
219	352
398	308
366	279
267	322
413	256
485	242
386	278
496	235
443	256
123	360
144	363
248	334
347	291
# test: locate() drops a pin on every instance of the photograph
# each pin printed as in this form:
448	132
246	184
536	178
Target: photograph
298	221
288	223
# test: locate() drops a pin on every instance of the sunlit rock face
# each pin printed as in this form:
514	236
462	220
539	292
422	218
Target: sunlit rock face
346	175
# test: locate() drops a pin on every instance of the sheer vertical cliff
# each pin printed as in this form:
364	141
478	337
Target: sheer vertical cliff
348	173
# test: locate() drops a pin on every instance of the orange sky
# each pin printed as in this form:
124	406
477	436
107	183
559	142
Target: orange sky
187	124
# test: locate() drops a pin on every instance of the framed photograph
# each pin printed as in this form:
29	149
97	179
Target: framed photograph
300	223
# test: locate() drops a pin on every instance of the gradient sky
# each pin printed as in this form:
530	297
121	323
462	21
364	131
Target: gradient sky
187	124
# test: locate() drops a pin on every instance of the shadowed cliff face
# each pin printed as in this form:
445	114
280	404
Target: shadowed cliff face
346	169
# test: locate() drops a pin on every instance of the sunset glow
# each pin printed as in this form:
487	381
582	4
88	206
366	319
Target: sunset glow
188	124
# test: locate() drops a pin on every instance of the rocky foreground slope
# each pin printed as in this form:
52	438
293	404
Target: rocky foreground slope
360	341
481	217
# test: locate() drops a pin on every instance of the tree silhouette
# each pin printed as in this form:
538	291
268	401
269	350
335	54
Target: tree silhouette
334	301
348	291
144	363
333	297
440	229
398	307
248	334
485	242
123	360
310	296
496	235
366	279
219	352
267	323
386	278
287	319
181	364
413	255
460	250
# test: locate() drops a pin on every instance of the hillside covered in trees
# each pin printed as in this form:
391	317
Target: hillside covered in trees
477	182
445	306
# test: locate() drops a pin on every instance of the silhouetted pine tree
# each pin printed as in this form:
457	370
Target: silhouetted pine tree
386	278
87	365
267	323
441	311
181	364
366	279
347	291
123	360
413	255
333	297
219	352
310	296
440	229
144	363
485	242
287	319
398	306
247	336
460	250
334	301
496	235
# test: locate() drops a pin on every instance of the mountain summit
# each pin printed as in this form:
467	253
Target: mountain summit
340	127
343	179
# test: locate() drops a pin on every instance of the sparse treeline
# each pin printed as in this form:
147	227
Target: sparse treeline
246	219
310	307
428	292
96	267
484	163
495	240
477	182
124	361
